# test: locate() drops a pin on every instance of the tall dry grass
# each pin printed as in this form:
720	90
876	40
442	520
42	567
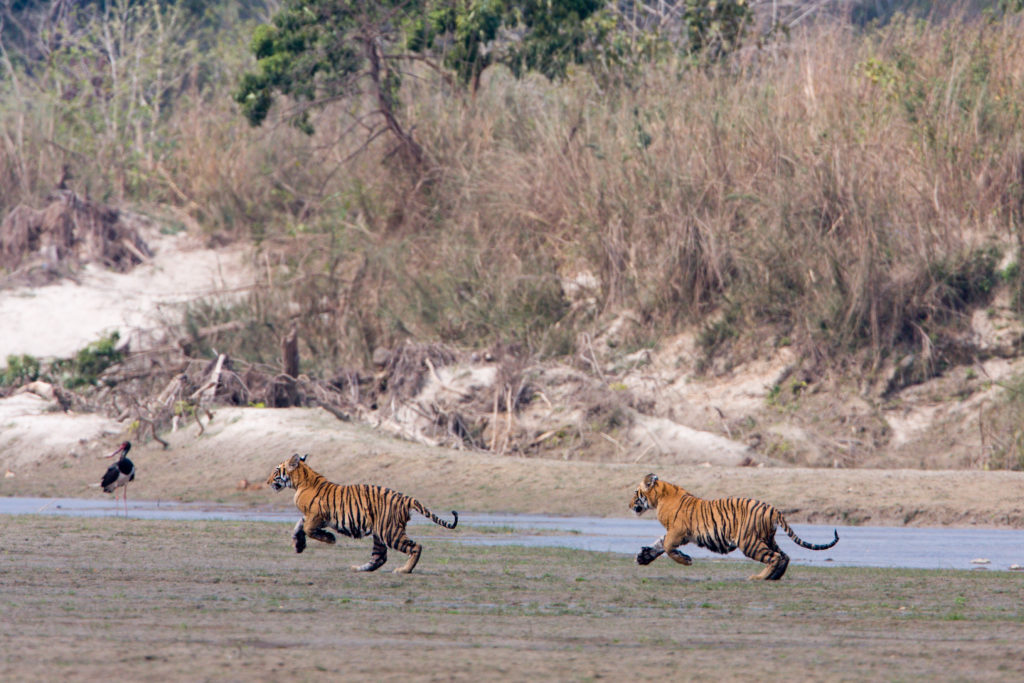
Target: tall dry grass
855	192
851	193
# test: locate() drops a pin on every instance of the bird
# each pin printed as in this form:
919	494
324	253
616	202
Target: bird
119	474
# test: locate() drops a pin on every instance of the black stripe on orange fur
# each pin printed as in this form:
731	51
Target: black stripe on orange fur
721	526
354	510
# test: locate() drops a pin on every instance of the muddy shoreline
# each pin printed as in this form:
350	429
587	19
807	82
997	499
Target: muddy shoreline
231	459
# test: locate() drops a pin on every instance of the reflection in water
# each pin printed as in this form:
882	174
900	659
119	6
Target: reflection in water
923	548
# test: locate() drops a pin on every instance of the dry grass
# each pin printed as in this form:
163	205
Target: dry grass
154	600
854	191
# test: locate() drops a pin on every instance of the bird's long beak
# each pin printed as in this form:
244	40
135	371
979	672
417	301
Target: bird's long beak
119	451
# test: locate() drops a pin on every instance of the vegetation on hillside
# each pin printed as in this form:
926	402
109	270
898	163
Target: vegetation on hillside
852	191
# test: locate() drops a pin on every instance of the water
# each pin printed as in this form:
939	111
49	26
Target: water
862	546
140	509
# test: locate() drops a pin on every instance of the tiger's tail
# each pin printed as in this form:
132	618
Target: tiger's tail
422	509
799	541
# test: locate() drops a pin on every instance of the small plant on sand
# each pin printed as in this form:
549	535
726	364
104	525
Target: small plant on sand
85	367
20	370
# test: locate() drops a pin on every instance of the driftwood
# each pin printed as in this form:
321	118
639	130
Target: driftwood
286	394
209	388
162	388
290	352
71	230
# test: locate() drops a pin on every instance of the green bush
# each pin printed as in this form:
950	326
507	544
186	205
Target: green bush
85	367
20	370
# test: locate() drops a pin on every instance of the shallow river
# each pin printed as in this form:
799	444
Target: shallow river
861	546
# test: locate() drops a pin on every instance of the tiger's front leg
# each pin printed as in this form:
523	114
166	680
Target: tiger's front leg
316	531
649	553
681	558
672	543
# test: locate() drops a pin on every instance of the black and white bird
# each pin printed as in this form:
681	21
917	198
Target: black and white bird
119	474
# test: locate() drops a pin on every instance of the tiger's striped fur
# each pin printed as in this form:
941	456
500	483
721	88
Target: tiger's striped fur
721	526
356	510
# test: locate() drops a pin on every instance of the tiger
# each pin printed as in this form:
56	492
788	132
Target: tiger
355	510
721	526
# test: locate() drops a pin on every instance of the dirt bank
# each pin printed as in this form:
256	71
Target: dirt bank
694	431
242	444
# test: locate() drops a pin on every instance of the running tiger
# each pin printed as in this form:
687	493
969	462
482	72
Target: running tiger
721	526
356	511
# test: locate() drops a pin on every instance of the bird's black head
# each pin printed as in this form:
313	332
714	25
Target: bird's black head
122	450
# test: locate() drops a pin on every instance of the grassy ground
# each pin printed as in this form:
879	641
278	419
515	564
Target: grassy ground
92	598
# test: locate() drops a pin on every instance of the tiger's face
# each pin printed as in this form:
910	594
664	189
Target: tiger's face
280	478
641	502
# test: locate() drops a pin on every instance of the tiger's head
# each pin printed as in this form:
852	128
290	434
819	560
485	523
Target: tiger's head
642	496
281	478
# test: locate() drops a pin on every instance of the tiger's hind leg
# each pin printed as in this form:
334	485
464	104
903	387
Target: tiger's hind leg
299	537
378	556
775	560
779	566
404	544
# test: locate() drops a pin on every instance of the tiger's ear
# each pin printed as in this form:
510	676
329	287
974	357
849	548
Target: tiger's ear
303	457
293	462
650	480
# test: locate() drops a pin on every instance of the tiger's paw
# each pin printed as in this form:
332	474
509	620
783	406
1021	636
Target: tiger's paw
299	541
368	567
681	558
646	555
